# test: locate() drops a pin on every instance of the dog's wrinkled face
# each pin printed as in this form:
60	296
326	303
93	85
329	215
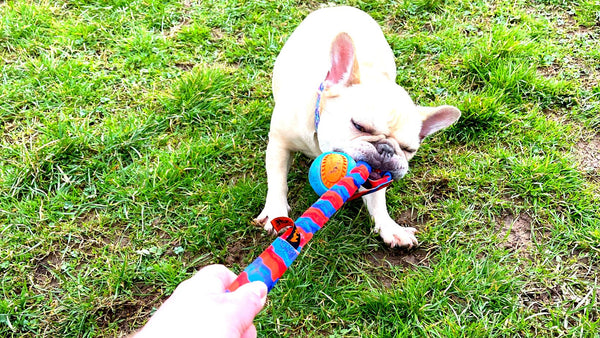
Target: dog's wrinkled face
378	124
370	117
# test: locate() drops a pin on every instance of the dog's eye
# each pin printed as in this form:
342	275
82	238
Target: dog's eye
359	127
408	150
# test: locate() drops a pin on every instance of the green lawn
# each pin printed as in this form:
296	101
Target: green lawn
132	139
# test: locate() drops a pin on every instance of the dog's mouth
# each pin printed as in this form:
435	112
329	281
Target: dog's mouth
380	165
380	170
376	174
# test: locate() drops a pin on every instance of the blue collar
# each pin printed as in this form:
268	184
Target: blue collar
318	106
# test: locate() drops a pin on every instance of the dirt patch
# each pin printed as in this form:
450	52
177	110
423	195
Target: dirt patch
217	34
90	216
9	126
542	298
235	253
575	67
386	258
575	290
238	249
176	28
588	155
549	71
43	275
186	66
398	257
132	312
440	188
91	243
186	13
566	25
536	299
515	232
410	218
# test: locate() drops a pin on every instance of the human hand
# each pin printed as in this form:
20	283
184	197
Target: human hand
199	307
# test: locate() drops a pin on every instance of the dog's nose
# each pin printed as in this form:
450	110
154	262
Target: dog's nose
385	149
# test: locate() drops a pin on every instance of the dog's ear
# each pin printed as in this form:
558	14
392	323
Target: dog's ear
344	67
436	118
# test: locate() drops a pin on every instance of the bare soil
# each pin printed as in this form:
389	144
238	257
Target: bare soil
386	258
515	232
588	155
238	251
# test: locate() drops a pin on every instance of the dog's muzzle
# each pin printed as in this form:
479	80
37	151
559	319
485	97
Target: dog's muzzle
384	149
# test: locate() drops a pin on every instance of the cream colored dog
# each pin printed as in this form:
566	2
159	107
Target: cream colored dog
334	88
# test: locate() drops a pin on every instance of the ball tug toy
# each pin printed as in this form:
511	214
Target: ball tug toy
336	177
328	169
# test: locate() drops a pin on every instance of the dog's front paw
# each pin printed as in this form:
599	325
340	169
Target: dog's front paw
396	235
268	214
265	221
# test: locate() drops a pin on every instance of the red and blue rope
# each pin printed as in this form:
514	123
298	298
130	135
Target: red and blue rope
277	258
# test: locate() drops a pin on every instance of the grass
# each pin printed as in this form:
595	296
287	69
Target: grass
132	141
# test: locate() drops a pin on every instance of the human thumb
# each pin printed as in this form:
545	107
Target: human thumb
247	301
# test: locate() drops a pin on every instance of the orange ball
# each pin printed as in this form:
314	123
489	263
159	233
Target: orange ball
328	169
333	169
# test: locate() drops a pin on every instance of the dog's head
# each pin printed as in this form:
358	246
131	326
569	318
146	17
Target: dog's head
372	120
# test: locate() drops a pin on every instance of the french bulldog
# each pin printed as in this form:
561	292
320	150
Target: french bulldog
334	89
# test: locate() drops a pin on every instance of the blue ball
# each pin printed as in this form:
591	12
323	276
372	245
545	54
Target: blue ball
327	169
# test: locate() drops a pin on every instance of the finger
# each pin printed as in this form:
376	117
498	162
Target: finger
247	301
211	279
